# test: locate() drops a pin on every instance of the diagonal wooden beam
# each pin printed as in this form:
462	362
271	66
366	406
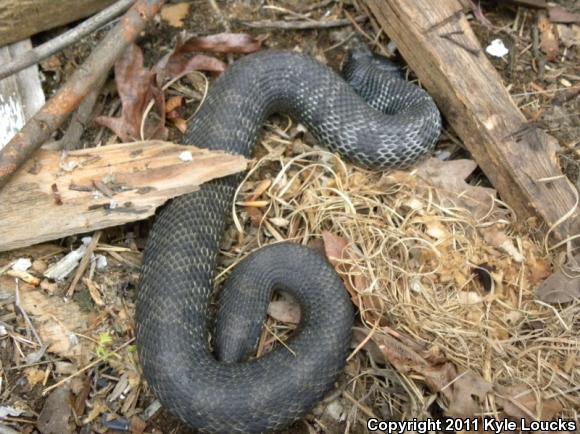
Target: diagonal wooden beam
438	43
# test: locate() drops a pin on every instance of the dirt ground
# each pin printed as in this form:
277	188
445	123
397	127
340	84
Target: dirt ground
465	305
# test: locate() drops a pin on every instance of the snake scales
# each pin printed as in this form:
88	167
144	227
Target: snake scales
376	120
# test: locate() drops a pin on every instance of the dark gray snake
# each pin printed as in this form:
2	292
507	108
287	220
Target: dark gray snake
387	123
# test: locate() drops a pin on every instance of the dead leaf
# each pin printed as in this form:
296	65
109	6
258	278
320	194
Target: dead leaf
56	415
222	43
449	176
34	376
569	35
55	320
334	247
549	43
285	310
559	288
175	14
180	124
137	87
176	64
173	103
180	62
521	402
468	394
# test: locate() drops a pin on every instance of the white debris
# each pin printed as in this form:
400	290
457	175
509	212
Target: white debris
66	265
22	264
497	48
101	262
3	331
186	156
6	410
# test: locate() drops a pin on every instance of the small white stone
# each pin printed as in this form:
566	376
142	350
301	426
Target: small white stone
496	48
186	156
22	264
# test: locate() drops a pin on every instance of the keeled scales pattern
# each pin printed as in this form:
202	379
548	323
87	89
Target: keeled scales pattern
400	125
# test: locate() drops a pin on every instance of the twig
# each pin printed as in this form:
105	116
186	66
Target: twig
301	25
84	263
62	41
80	119
87	367
39	128
24	314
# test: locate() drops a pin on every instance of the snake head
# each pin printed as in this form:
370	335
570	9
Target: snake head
360	59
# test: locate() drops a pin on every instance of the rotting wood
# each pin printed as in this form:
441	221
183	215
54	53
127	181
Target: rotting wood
55	194
20	19
518	158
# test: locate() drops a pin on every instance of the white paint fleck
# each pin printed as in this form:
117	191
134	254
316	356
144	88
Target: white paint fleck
11	118
186	156
497	48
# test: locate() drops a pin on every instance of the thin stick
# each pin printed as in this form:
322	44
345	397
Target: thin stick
301	25
57	44
25	315
87	367
84	263
40	127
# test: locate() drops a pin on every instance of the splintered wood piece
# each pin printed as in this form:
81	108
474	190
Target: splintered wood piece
57	194
520	159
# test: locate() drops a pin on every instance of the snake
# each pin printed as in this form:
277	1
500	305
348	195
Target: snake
198	359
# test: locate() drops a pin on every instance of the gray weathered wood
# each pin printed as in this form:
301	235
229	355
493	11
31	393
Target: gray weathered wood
20	19
21	95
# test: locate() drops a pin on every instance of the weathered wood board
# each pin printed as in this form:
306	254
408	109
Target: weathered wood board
20	19
437	41
57	194
21	94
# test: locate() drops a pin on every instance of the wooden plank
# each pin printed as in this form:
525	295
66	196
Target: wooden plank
21	94
57	194
437	41
20	19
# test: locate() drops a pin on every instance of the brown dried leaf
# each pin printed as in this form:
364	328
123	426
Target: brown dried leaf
468	393
521	402
549	42
449	176
177	64
334	247
464	392
136	86
55	320
285	310
175	14
222	43
559	288
34	376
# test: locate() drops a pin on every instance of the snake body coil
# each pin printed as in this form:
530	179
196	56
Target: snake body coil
397	124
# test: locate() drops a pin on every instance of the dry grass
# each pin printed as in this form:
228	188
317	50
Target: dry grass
410	266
